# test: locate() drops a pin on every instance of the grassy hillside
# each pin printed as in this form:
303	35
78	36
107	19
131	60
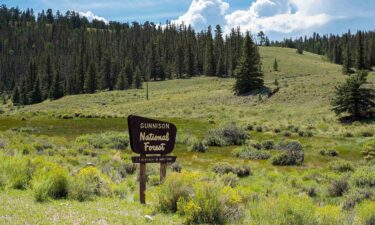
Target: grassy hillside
307	84
76	130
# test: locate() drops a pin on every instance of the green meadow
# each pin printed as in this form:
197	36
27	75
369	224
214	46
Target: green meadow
45	150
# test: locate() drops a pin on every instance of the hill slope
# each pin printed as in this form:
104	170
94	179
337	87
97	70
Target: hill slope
307	84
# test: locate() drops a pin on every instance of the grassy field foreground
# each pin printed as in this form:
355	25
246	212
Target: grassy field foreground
45	150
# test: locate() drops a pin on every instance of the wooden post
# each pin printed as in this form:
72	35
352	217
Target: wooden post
163	171
142	183
147	90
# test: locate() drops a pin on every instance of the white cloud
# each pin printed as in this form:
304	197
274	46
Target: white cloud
283	16
202	13
90	16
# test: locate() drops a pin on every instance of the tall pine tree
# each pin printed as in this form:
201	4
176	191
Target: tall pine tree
209	60
90	80
248	73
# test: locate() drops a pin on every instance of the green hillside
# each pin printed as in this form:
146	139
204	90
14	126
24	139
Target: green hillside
307	84
66	134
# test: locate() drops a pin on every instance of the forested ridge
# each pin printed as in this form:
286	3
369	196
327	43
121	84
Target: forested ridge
352	50
52	55
49	55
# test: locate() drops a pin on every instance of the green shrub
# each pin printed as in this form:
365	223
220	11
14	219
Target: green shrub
243	171
121	190
223	168
341	166
338	187
176	167
185	138
277	130
369	150
246	152
176	186
284	209
259	129
88	183
225	136
15	172
329	215
230	179
113	140
357	196
214	138
211	204
364	177
198	147
364	213
254	144
332	153
268	144
293	156
50	181
289	146
308	133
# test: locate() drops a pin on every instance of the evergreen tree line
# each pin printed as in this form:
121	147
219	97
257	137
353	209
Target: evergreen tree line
49	55
350	50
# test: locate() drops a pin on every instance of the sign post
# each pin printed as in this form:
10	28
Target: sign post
153	140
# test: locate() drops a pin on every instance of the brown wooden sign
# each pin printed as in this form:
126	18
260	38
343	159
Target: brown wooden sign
153	140
154	159
148	136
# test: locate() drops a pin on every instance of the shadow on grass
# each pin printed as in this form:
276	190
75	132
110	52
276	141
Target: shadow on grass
348	120
262	91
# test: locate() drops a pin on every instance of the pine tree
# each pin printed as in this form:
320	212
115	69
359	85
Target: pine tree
90	80
106	74
300	49
360	50
56	90
219	52
36	94
137	79
80	75
189	61
152	61
275	65
48	77
23	93
347	56
353	98
209	60
122	82
179	63
16	96
248	73
129	73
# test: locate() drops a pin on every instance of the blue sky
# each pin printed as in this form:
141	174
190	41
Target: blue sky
278	18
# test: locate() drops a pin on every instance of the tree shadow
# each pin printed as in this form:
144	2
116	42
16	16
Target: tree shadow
348	120
262	91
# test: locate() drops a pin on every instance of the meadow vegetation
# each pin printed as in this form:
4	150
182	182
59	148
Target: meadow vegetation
286	159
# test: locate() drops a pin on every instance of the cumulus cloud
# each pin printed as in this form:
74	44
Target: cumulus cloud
91	16
283	16
202	13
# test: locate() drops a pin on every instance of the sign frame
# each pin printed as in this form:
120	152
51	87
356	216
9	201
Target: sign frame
160	139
